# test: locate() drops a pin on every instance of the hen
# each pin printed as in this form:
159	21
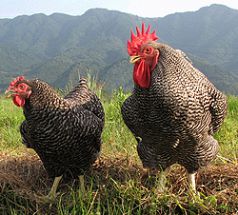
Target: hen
174	109
64	132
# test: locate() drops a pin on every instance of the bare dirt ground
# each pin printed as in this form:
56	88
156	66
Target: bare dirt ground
26	176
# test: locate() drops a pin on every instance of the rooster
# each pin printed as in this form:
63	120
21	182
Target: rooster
174	109
64	132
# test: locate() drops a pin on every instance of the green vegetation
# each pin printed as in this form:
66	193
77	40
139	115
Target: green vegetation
55	47
114	185
58	48
10	117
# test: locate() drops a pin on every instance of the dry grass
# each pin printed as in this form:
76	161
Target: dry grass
114	185
25	177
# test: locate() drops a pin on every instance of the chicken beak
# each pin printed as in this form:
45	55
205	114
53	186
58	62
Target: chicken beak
8	93
134	58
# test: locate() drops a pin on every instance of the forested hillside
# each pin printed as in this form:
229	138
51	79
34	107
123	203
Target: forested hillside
58	47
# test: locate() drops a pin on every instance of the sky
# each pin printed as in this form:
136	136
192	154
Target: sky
143	8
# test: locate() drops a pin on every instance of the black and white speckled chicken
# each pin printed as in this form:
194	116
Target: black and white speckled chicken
174	109
64	132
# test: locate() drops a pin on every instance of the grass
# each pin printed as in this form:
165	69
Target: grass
115	184
10	117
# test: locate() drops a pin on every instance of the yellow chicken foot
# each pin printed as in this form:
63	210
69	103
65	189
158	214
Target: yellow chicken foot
52	194
82	184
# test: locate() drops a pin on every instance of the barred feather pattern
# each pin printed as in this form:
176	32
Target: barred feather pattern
176	117
64	132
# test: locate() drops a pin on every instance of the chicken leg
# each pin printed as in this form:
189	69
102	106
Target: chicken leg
52	194
150	173
162	180
192	187
191	182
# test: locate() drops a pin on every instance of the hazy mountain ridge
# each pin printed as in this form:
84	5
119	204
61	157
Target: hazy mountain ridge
56	47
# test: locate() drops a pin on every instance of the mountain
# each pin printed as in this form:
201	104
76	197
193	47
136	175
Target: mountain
56	48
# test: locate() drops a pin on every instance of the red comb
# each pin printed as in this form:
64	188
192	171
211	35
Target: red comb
142	36
12	84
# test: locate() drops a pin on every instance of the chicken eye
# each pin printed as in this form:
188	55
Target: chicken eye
22	87
148	50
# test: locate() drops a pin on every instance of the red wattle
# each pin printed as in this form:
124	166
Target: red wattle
142	74
18	101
